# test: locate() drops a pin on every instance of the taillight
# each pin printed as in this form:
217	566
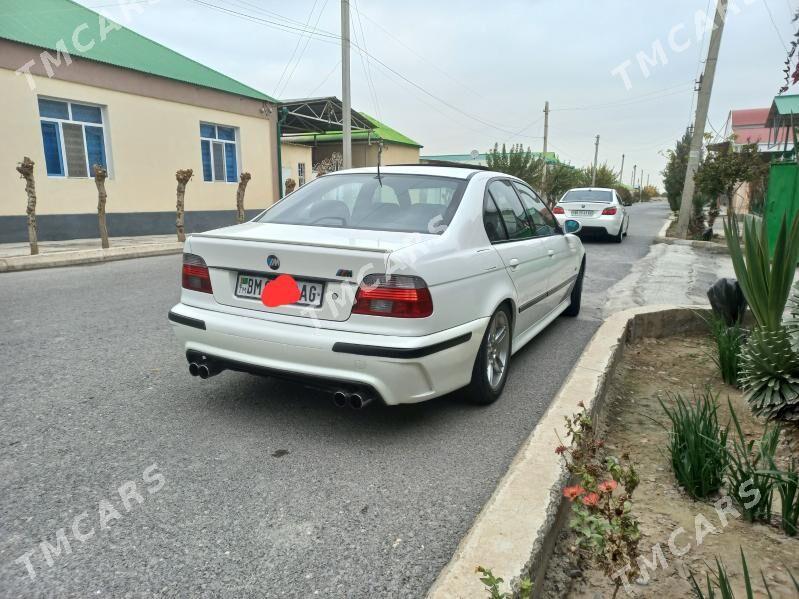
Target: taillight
195	274
558	210
610	211
399	296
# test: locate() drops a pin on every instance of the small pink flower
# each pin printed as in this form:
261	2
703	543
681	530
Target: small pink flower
591	499
561	449
572	493
608	486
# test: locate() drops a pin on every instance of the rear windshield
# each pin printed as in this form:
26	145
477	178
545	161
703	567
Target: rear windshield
588	195
408	203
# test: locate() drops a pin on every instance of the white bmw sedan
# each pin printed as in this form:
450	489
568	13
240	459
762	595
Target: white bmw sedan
398	286
599	210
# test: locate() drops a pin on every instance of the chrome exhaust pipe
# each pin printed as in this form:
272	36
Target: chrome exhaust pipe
358	401
194	369
208	369
340	399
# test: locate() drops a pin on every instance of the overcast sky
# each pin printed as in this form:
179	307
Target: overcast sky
458	76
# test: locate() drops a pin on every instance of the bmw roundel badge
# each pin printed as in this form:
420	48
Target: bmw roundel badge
273	262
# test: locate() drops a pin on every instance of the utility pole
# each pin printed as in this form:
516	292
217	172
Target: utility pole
546	135
346	101
641	186
647	180
632	181
596	157
621	170
702	106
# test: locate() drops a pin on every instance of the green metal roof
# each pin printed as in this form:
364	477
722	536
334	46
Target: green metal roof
379	131
43	23
783	106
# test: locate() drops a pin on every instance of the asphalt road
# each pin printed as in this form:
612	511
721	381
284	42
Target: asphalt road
266	489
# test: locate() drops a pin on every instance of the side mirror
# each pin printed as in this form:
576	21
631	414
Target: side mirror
572	226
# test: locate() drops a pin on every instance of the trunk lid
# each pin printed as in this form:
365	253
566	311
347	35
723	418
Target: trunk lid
329	259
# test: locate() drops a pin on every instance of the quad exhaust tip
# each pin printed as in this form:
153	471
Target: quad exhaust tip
340	399
356	401
194	369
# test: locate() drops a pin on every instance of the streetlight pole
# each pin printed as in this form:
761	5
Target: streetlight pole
596	157
346	101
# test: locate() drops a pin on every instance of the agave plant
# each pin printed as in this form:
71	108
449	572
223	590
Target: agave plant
769	361
791	322
770	374
765	280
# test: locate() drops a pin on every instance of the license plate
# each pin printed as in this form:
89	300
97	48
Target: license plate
582	212
251	286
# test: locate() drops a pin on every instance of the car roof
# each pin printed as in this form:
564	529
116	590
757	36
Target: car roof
453	172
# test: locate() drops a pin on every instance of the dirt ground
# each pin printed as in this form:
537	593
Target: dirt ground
651	369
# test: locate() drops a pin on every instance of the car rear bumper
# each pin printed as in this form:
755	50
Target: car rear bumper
399	370
610	224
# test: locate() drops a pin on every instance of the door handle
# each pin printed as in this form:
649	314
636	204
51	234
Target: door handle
550	253
513	262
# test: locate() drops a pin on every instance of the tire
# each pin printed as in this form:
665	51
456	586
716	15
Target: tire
481	390
620	236
576	296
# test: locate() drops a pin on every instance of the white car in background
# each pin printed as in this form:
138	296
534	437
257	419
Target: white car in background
413	281
597	209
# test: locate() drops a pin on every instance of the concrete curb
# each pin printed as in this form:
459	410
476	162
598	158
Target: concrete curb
516	530
73	258
708	246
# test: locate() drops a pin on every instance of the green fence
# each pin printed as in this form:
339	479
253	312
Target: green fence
782	199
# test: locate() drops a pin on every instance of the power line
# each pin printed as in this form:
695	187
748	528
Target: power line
304	48
367	71
294	52
774	25
422	57
324	80
655	95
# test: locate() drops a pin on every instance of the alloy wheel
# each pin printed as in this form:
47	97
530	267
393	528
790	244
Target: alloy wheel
497	349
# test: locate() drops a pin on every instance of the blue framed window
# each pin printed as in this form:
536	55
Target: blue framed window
219	153
73	136
51	136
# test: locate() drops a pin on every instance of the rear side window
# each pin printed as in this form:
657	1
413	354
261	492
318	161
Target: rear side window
510	209
588	195
392	202
544	223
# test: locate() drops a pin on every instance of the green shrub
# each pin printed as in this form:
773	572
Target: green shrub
697	443
721	580
787	483
750	484
729	340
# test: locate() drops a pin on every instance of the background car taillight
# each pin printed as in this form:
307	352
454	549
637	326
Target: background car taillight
195	274
558	210
399	296
610	211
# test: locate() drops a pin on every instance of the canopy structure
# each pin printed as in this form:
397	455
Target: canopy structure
308	116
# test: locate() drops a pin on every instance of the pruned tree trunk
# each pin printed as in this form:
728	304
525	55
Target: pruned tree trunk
25	169
100	175
244	178
183	177
291	185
